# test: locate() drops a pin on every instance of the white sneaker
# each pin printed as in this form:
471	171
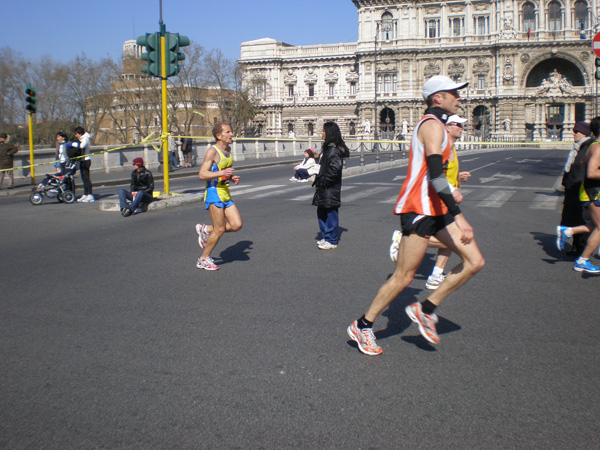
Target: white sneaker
203	234
320	242
90	199
434	282
396	237
327	245
83	199
293	179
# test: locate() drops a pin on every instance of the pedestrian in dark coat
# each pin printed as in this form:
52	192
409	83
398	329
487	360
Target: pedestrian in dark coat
328	185
7	150
574	171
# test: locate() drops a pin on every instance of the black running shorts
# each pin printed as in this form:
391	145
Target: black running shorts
424	226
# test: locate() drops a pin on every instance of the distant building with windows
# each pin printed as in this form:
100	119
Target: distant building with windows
133	108
529	65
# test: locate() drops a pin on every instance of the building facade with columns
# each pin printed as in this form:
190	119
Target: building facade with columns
529	64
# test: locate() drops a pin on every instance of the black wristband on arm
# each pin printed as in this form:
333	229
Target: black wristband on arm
440	183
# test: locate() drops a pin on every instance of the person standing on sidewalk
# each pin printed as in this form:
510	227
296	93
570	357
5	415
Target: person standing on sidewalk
426	208
7	151
217	171
328	185
85	163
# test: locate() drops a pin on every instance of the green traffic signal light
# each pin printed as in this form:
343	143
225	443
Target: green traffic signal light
31	99
152	54
173	42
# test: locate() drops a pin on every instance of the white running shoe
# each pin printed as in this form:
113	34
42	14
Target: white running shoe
206	264
203	234
396	237
82	199
364	338
434	282
325	245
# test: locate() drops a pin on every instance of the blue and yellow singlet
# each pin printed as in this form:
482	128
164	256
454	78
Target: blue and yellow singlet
217	190
590	188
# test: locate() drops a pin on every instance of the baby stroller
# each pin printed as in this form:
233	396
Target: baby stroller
54	186
60	185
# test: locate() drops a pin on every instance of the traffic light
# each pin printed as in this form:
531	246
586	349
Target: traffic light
597	75
173	41
31	100
152	54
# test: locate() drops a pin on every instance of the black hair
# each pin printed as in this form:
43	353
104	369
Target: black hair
79	130
333	135
595	127
63	135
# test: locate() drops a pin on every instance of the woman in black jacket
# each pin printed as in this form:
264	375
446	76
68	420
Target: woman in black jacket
328	185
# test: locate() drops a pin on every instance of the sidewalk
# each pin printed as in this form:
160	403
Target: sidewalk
354	165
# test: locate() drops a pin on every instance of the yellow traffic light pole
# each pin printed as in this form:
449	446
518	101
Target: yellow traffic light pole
32	170
165	115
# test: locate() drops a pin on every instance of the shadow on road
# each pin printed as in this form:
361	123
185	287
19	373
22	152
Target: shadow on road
240	251
399	322
548	244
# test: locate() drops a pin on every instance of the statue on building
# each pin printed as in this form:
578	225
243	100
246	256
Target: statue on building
367	126
555	84
507	123
404	127
508	70
508	30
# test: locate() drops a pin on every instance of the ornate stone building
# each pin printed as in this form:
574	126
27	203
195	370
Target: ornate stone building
529	65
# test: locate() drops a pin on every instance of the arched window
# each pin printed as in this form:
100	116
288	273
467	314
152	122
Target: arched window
554	16
528	17
387	26
581	15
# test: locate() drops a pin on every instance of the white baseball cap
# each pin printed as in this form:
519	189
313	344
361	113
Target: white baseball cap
440	83
455	119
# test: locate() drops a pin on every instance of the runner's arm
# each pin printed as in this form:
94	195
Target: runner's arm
593	165
206	172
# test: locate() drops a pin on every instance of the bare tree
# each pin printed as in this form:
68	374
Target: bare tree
89	83
188	94
235	103
12	90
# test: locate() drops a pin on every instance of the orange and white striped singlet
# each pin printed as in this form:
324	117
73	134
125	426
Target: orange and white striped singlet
417	195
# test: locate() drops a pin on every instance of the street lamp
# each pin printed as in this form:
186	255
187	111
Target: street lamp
376	134
386	26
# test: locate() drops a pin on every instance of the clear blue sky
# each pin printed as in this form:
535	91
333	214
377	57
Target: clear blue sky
64	29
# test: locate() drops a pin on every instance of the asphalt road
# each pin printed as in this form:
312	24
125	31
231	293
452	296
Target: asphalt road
111	338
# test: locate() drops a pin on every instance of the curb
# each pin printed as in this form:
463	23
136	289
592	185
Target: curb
177	200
